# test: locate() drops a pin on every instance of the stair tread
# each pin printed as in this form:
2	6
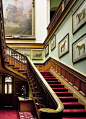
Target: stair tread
56	84
21	70
59	88
74	118
67	97
53	81
74	110
64	92
71	103
10	64
15	67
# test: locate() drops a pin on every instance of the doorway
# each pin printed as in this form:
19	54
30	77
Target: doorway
6	84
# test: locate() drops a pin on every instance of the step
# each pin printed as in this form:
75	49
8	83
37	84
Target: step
73	105
45	72
57	85
60	89
11	65
53	82
48	76
68	99
62	94
51	79
74	113
15	67
24	73
20	70
74	118
7	62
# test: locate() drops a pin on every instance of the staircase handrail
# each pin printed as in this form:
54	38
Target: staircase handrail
48	89
44	84
63	6
16	51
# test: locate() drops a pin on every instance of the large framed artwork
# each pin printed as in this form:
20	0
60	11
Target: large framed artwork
53	42
46	50
37	54
18	20
63	46
79	49
79	17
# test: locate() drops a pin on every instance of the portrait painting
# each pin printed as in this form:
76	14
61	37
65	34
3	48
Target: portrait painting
63	46
79	17
79	49
17	17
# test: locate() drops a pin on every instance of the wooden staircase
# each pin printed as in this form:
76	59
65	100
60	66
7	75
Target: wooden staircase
47	104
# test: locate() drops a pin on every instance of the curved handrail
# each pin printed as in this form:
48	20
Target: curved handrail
52	93
15	51
45	85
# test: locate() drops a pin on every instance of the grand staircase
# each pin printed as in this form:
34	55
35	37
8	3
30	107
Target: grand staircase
72	108
47	97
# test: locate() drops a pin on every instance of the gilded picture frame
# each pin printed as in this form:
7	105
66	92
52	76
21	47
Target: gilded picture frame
37	54
19	19
79	17
47	50
63	46
79	49
53	42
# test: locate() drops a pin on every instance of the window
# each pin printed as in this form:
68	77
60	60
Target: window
8	85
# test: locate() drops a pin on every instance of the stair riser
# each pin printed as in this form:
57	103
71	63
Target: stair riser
57	86
60	90
51	79
69	100
78	114
48	76
73	106
54	82
62	94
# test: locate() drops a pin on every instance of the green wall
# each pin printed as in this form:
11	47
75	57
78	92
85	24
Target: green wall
54	3
65	28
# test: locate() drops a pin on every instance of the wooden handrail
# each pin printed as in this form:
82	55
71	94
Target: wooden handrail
64	5
14	57
59	106
76	78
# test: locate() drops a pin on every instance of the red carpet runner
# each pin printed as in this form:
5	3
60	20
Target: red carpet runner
9	114
72	109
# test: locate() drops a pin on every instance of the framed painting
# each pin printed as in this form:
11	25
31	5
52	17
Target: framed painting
79	17
53	42
18	20
79	49
37	54
63	46
25	52
46	50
